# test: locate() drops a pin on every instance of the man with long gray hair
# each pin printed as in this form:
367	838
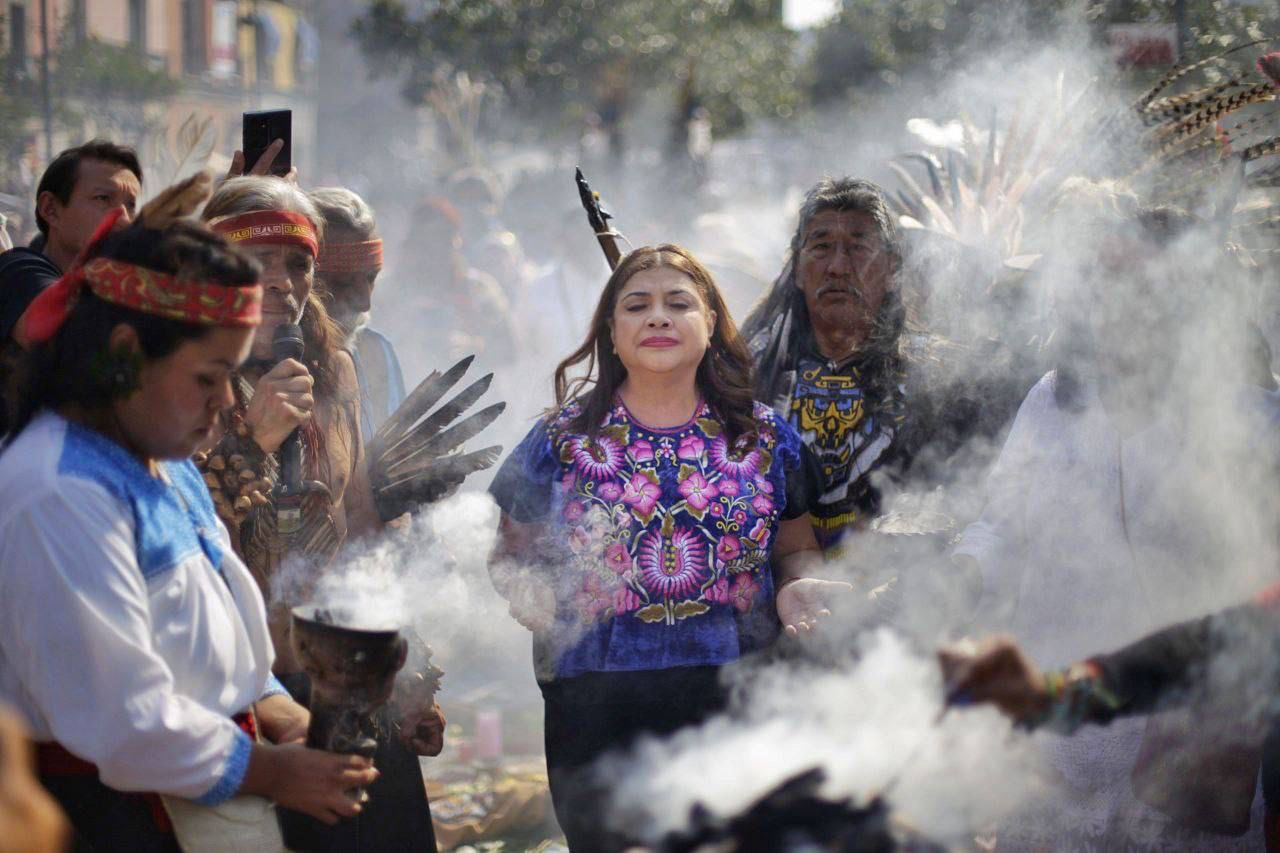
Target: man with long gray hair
827	343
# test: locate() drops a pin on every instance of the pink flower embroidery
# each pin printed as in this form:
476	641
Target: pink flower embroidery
729	487
641	494
744	591
733	464
719	591
697	491
717	510
740	516
762	504
579	540
610	491
593	599
641	450
691	447
729	548
672	567
760	533
573	511
763	485
617	558
624	600
598	458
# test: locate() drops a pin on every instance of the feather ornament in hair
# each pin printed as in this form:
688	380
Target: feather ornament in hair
1177	106
1260	149
177	202
1176	73
1194	124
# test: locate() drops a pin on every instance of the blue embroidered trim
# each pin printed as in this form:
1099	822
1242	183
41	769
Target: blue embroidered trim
232	775
273	688
165	532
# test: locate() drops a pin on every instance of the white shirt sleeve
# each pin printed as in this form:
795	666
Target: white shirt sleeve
997	539
75	626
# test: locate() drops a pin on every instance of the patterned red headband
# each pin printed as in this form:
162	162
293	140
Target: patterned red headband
350	257
269	226
141	289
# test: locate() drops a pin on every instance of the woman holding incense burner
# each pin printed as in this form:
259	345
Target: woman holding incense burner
655	525
133	641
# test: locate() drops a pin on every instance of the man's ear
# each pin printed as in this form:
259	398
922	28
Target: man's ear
48	206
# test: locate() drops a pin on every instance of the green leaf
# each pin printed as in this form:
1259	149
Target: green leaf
685	609
652	613
709	427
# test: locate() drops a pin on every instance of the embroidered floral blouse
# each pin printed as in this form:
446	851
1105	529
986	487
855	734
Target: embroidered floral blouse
659	541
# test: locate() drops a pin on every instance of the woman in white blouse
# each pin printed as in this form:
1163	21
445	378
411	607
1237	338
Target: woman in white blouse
130	634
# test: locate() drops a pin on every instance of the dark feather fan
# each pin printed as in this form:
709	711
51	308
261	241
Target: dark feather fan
416	458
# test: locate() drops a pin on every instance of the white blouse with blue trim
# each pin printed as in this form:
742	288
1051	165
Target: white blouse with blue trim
130	632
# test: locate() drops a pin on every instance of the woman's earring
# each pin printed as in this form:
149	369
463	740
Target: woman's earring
119	371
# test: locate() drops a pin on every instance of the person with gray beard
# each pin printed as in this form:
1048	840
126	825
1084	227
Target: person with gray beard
826	343
834	358
347	272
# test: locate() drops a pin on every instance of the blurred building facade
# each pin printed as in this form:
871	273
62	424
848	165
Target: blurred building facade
214	58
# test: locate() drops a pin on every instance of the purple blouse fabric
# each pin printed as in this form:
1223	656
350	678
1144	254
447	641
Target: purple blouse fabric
659	541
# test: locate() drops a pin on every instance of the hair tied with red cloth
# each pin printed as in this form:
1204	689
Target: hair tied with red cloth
139	288
349	257
269	227
49	310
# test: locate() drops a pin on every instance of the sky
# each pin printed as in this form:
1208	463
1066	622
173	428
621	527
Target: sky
800	14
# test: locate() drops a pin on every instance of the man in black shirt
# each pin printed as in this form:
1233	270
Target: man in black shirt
80	186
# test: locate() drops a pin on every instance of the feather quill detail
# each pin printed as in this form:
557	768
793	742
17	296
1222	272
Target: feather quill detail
1176	73
177	202
1206	116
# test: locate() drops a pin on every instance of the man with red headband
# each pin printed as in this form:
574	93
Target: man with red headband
349	264
277	224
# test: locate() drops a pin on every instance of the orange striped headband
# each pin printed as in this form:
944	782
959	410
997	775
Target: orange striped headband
269	226
350	257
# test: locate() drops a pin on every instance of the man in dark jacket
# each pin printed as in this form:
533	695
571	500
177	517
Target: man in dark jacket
80	186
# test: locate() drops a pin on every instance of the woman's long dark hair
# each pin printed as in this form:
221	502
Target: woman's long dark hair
68	368
724	377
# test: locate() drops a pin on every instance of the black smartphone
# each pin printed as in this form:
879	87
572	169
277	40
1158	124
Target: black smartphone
260	129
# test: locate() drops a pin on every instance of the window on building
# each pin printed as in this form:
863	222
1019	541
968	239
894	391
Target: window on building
17	41
138	25
79	22
194	40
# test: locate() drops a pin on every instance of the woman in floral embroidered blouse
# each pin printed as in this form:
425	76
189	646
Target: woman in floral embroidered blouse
655	527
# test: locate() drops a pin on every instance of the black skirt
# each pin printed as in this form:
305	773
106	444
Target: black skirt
590	715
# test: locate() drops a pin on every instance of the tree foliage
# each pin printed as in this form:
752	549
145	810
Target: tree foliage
556	60
871	44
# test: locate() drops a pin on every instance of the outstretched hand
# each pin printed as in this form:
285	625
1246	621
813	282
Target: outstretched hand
803	603
995	672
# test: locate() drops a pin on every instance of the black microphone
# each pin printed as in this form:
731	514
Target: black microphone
287	343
